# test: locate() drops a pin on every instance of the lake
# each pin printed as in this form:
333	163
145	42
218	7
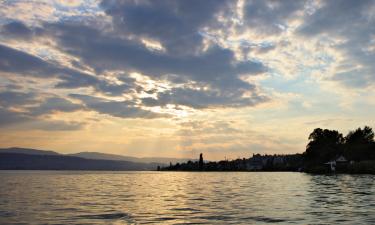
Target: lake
74	197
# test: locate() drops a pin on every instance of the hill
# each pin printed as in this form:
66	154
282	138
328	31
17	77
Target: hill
105	156
98	155
27	158
29	151
19	161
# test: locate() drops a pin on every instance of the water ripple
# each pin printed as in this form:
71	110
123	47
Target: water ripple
184	198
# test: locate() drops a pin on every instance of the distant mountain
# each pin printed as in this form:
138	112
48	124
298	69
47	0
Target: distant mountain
19	161
33	159
29	151
105	156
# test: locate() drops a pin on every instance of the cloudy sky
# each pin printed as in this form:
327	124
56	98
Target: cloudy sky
176	78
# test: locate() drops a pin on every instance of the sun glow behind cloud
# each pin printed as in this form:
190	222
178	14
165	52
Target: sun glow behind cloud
151	78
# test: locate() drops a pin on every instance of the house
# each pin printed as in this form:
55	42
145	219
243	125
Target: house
339	163
341	160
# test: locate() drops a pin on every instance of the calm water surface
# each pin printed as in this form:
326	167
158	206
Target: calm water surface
45	197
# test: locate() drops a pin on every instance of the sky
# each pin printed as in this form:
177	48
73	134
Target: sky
177	78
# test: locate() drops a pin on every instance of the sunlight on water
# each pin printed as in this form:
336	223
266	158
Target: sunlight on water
184	197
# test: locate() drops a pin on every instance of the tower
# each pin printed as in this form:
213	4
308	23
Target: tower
201	161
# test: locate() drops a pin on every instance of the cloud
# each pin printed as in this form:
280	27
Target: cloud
27	11
16	30
106	52
220	138
55	125
201	99
23	121
207	128
128	85
35	104
175	24
24	64
28	110
16	98
122	109
351	27
8	117
19	62
216	67
270	17
333	17
54	104
328	122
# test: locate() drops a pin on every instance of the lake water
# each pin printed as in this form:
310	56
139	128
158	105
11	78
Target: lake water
47	197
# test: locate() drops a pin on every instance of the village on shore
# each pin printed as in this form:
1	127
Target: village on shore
328	151
255	163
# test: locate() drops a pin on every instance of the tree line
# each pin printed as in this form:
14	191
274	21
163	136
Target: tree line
325	145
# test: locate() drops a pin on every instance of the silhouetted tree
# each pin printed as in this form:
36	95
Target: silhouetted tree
324	145
360	145
360	136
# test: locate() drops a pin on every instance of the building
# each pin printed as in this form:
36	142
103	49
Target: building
339	163
278	161
255	163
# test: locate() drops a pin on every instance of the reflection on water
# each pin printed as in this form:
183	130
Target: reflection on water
183	197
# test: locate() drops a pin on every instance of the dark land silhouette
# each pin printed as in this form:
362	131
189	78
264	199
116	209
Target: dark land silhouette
354	153
257	162
97	155
20	161
106	156
327	151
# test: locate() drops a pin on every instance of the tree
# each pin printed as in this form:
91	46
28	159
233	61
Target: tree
360	136
360	145
323	146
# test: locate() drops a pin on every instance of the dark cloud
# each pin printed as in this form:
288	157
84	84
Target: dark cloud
30	107
173	23
15	61
14	98
176	25
19	62
16	30
216	67
111	53
54	104
204	98
122	109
